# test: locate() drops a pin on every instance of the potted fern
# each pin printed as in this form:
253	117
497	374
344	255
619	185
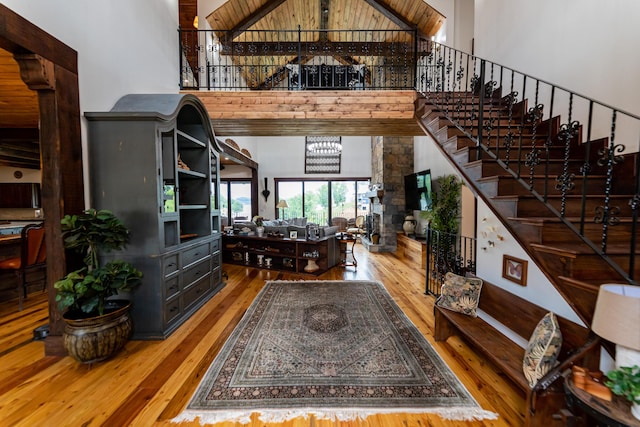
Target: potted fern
625	381
97	325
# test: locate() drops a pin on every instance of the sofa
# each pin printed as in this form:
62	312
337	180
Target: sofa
285	226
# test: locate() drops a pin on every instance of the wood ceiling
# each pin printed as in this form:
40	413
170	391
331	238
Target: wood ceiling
19	114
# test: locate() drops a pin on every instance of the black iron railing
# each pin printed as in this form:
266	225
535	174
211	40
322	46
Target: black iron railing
558	144
297	59
447	252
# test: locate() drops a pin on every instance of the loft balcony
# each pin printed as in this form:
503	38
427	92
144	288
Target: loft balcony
299	59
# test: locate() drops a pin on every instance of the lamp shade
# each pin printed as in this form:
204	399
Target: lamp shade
617	315
282	204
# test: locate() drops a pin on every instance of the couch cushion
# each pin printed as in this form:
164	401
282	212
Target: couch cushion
328	231
460	294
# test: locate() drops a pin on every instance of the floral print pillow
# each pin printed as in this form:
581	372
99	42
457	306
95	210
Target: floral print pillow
544	347
460	294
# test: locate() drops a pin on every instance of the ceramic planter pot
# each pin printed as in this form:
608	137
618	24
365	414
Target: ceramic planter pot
94	339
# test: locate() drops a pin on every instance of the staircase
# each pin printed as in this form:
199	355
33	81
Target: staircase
550	163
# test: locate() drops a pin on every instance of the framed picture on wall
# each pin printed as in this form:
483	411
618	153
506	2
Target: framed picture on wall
514	269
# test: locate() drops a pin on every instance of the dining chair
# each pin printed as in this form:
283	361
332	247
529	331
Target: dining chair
32	257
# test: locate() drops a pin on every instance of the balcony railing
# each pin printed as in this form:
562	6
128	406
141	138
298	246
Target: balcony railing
297	60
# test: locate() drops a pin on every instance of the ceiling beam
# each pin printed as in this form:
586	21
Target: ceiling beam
391	14
260	13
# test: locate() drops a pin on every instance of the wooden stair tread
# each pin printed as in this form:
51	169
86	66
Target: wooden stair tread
559	196
542	220
580	248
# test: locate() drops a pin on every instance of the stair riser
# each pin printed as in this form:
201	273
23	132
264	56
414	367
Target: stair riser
534	208
553	233
584	267
505	186
492	168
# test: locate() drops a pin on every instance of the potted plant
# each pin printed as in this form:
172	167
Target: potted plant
259	222
444	214
97	325
625	381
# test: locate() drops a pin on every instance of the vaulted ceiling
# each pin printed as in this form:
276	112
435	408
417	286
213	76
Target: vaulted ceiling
241	15
19	114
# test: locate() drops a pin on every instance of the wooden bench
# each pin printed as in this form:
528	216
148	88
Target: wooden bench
545	401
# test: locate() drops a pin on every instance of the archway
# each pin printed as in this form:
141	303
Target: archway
49	67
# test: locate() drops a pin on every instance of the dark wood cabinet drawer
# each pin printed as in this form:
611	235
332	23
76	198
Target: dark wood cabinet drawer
194	254
216	260
196	291
170	264
172	310
171	287
195	273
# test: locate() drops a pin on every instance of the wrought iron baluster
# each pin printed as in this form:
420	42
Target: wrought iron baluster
534	115
607	215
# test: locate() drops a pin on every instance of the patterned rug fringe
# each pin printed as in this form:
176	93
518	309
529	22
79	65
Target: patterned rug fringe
343	414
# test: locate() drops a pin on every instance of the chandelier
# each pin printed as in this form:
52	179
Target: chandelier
323	145
322	154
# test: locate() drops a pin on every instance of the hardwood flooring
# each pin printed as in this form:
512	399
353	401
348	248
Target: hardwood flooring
150	382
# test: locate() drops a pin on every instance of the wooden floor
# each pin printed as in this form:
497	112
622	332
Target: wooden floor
150	382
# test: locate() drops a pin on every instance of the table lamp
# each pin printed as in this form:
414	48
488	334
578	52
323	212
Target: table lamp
617	319
281	205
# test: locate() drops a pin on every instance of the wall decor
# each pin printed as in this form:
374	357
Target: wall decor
514	269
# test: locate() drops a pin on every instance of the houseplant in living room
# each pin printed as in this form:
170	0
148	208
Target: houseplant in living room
625	381
97	326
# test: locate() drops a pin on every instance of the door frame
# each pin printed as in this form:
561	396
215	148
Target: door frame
50	68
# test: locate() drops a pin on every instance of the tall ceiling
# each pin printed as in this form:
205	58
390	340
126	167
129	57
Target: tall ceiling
240	15
19	114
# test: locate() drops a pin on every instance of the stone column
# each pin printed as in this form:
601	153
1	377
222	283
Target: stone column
392	160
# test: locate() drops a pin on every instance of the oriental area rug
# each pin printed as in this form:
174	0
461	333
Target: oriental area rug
333	349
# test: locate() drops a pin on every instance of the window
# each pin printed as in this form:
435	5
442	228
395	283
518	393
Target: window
321	200
236	199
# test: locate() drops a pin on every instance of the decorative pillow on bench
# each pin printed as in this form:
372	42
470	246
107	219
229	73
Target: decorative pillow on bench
460	294
544	347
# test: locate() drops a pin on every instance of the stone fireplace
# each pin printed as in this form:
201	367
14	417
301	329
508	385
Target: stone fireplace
392	159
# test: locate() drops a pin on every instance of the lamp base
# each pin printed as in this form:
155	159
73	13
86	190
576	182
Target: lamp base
626	356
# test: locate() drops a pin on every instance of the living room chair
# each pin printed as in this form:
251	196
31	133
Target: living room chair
340	222
33	256
359	226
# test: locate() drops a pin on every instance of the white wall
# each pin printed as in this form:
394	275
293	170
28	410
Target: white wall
489	265
588	46
283	157
123	47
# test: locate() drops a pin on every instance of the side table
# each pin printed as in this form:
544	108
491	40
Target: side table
599	412
347	258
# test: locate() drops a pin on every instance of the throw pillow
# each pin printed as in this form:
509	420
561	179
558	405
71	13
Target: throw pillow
460	294
544	347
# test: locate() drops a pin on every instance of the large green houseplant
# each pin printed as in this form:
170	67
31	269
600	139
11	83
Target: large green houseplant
444	214
85	295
